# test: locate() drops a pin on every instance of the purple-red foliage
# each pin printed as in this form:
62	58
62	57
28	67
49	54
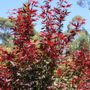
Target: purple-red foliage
52	39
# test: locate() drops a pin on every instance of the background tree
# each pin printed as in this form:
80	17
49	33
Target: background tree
77	23
84	3
5	32
82	41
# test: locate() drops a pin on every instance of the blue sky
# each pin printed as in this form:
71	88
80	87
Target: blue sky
7	5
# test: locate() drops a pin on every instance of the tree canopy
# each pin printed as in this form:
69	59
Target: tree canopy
84	3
